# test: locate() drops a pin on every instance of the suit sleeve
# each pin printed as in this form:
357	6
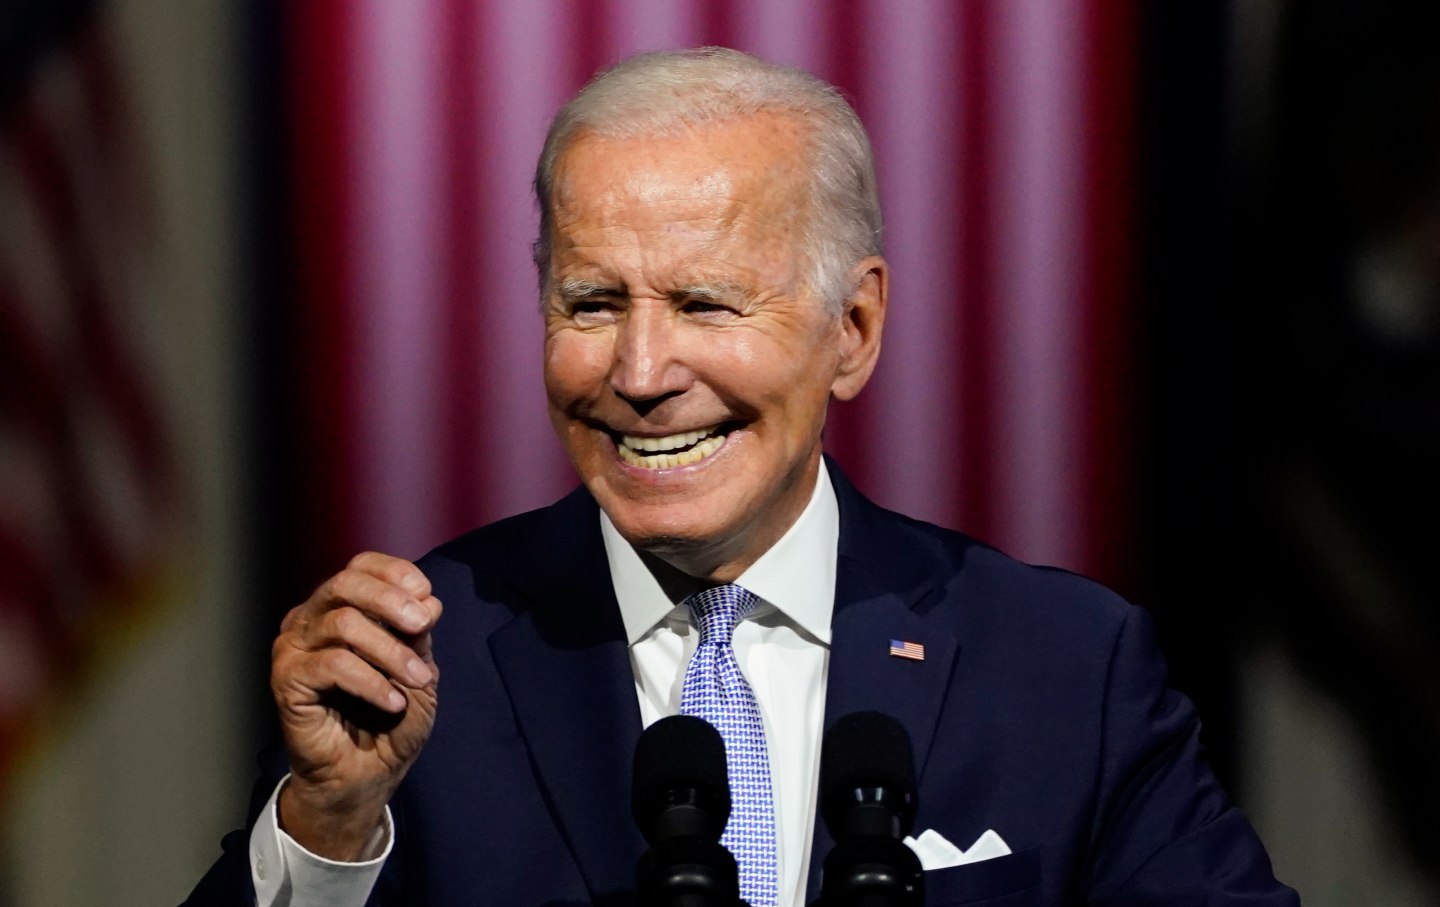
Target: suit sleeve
1165	832
228	883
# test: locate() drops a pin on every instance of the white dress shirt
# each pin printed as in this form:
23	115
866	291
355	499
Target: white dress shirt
783	648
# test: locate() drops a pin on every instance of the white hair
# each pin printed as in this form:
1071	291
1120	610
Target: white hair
669	92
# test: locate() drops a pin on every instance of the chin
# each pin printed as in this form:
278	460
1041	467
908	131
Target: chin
692	542
656	528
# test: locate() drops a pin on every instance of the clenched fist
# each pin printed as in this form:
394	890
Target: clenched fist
355	683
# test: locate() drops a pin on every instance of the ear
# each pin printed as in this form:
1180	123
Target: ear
862	321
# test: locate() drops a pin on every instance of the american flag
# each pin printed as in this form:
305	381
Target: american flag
904	648
86	469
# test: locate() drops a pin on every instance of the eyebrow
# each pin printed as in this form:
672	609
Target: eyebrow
718	291
586	289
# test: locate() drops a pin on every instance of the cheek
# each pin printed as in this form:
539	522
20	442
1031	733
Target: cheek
788	363
576	366
769	350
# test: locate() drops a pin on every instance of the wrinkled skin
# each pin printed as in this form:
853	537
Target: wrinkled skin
355	683
677	301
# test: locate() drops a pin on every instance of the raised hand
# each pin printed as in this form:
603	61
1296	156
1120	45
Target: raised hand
355	683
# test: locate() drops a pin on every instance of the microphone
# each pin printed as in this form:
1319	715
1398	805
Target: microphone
681	801
867	791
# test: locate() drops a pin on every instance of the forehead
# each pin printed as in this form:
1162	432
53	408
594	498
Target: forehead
755	165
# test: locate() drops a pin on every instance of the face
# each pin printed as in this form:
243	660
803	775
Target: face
687	366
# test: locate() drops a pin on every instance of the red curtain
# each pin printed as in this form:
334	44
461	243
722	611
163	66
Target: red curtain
1003	405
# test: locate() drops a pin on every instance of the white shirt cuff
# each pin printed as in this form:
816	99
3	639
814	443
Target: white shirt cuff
285	874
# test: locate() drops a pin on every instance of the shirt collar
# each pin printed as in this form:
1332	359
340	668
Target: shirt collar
796	575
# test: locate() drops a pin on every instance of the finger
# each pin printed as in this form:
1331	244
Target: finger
433	607
374	597
340	669
422	646
390	654
420	642
394	570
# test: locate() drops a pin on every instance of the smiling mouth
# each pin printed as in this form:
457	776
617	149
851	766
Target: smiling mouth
680	449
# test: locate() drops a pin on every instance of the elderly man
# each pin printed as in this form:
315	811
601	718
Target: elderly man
710	273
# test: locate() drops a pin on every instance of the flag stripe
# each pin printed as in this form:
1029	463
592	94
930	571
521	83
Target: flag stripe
907	649
51	175
88	472
40	169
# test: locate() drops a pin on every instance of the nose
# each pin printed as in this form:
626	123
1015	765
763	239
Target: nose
647	368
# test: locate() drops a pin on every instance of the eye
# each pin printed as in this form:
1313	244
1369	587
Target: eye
596	309
706	307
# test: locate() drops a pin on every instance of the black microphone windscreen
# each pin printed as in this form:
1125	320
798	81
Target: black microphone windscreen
865	750
678	753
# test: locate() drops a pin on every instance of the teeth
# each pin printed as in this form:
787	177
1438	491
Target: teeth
700	451
669	442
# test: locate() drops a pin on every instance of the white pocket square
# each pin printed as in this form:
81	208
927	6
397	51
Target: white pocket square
937	853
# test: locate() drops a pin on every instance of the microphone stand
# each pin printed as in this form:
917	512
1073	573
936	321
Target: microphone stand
687	871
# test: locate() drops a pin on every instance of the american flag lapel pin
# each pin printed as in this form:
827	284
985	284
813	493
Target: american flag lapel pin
904	648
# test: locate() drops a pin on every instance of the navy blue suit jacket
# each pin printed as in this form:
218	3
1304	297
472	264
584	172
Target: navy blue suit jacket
1040	711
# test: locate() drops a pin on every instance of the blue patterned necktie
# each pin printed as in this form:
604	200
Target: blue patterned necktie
716	691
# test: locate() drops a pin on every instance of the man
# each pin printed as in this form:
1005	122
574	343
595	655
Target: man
711	275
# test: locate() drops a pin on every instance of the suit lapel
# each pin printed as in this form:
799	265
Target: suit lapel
884	588
566	668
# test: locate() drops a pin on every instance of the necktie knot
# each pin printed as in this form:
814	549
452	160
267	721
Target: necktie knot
718	609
